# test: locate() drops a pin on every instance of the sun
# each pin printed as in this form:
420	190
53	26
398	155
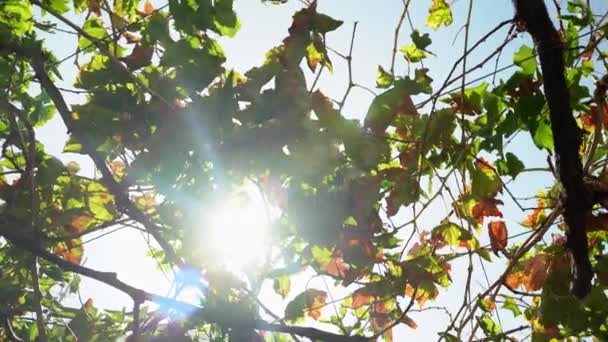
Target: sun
235	231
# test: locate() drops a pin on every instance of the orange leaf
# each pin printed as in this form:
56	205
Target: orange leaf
315	301
148	7
380	307
88	304
486	207
534	219
118	168
422	295
535	273
498	236
514	280
489	303
388	335
587	122
336	267
70	251
360	299
409	322
79	223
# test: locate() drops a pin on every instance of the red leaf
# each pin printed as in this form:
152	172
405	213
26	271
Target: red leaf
139	57
461	106
407	157
535	273
597	222
486	207
498	236
360	299
94	7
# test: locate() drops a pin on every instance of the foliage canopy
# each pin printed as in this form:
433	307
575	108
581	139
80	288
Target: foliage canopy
170	131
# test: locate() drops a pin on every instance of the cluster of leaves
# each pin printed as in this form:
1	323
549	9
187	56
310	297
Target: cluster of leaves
161	112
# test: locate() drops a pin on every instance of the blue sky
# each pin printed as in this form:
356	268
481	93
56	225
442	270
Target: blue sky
264	26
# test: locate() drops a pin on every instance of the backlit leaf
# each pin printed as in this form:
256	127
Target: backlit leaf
93	27
439	14
535	273
309	303
525	58
383	78
498	236
282	286
485	181
361	298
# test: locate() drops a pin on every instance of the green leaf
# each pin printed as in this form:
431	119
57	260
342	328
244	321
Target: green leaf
324	23
388	105
321	255
72	145
439	14
43	110
512	306
510	166
282	286
412	54
543	136
489	327
383	78
485	183
452	234
421	41
448	337
306	302
100	202
225	20
59	6
94	27
441	127
525	58
485	254
17	16
125	8
82	325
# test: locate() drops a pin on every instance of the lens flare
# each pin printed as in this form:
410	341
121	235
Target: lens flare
235	231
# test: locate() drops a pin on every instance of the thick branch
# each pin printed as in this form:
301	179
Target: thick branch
29	152
567	136
138	295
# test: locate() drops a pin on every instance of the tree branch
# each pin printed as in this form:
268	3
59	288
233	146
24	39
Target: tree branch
139	295
567	136
37	60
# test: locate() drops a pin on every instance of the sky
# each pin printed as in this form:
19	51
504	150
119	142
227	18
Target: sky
264	26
